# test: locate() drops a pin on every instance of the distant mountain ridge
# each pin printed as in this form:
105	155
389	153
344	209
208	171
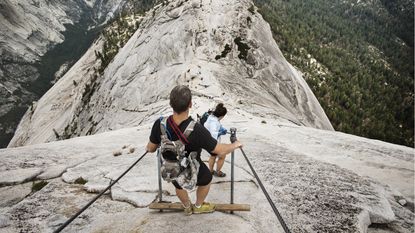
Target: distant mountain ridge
38	38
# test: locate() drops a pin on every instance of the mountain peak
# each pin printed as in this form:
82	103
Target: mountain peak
223	50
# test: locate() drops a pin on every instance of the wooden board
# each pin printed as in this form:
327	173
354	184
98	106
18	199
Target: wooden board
219	207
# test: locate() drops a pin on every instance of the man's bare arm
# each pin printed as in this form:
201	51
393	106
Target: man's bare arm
223	149
151	147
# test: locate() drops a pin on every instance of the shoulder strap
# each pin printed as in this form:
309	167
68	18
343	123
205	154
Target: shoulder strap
189	129
163	125
177	131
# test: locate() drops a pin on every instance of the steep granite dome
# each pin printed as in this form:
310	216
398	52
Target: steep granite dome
222	50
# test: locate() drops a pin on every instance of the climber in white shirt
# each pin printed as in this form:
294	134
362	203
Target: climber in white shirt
216	130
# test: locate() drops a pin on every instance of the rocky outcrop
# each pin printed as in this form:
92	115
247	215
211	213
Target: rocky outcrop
222	50
312	195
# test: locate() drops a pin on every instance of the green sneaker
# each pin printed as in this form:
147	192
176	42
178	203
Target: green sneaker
204	208
188	210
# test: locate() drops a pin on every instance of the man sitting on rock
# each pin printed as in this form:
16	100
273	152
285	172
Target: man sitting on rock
176	125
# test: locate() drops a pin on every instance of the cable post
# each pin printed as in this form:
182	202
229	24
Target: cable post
159	176
233	139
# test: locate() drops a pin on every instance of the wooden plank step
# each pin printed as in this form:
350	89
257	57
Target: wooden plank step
219	207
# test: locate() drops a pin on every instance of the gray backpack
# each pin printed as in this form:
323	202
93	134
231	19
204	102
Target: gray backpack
185	168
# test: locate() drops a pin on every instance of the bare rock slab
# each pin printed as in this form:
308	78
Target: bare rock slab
138	199
13	194
18	176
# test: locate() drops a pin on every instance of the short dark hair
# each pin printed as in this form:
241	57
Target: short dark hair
180	98
220	111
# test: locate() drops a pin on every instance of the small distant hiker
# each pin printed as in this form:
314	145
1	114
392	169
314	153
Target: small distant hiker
181	140
216	130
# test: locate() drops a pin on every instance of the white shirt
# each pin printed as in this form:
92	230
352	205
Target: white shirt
213	125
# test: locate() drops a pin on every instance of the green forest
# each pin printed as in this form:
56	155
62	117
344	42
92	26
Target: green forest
357	57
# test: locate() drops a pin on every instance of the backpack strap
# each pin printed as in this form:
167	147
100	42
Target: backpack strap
163	127
177	131
189	129
164	132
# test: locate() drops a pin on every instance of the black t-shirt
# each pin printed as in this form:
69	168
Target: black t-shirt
198	139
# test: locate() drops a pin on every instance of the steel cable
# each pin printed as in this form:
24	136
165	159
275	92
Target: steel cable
277	213
98	196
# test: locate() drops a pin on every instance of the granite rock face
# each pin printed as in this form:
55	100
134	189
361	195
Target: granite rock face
221	50
312	195
28	31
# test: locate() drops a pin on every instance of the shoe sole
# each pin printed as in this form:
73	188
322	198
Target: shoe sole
205	212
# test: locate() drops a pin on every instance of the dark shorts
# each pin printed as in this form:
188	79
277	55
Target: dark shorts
204	177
